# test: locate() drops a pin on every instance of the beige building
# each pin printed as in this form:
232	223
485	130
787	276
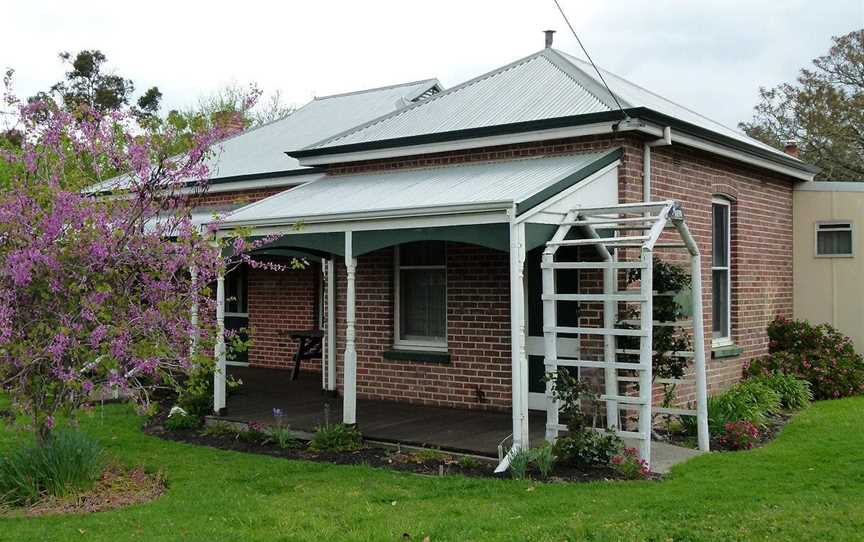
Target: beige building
829	256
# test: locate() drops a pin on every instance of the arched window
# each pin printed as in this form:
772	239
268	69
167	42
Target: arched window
721	271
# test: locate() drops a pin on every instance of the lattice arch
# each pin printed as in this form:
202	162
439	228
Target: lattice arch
628	229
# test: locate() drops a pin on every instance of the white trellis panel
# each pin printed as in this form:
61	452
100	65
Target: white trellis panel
646	221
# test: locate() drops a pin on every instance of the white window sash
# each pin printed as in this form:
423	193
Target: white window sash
819	229
726	339
426	344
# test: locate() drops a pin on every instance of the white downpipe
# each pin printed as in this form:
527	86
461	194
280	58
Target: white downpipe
646	161
519	357
331	325
219	351
349	400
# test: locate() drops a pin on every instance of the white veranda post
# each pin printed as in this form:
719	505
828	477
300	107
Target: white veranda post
519	356
349	399
219	351
648	221
330	383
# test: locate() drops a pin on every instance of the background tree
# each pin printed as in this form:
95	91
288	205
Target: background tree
822	111
88	83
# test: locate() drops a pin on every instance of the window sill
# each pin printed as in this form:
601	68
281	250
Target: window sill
417	355
726	351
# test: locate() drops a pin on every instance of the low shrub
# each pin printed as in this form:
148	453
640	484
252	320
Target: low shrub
519	461
336	437
254	433
764	397
178	420
749	400
283	437
818	354
794	392
740	435
586	448
429	455
218	429
68	463
470	463
629	465
543	457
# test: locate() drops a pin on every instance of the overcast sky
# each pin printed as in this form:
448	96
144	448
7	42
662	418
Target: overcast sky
708	55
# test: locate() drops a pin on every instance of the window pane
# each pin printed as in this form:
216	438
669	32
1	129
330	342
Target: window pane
423	304
833	243
721	236
422	253
235	291
720	303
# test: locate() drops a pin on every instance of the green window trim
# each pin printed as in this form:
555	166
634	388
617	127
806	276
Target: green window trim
417	355
726	351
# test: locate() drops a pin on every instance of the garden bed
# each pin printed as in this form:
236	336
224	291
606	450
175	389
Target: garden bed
116	488
406	459
773	425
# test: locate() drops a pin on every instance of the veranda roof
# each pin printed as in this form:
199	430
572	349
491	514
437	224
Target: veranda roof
427	191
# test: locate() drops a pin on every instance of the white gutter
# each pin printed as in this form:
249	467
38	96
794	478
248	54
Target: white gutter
380	214
462	144
604	128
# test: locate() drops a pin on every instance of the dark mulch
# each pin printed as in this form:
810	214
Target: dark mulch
428	463
118	487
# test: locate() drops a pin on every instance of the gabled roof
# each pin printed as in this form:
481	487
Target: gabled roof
262	150
499	184
547	85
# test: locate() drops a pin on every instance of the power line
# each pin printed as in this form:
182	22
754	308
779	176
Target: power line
584	50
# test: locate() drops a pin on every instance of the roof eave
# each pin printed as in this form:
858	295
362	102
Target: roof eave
554	128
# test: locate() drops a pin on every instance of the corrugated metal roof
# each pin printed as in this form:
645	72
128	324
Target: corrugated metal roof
545	85
633	95
501	182
532	88
262	149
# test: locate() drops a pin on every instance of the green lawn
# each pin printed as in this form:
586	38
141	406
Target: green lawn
807	485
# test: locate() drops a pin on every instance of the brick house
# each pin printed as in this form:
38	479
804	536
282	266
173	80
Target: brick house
425	228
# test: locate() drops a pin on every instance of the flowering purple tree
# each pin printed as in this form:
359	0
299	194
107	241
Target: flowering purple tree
96	289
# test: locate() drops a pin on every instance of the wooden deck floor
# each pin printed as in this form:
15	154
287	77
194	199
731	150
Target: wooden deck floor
303	405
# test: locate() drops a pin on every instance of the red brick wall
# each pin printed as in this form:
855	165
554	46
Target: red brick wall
280	301
761	254
478	322
234	196
277	300
478	306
